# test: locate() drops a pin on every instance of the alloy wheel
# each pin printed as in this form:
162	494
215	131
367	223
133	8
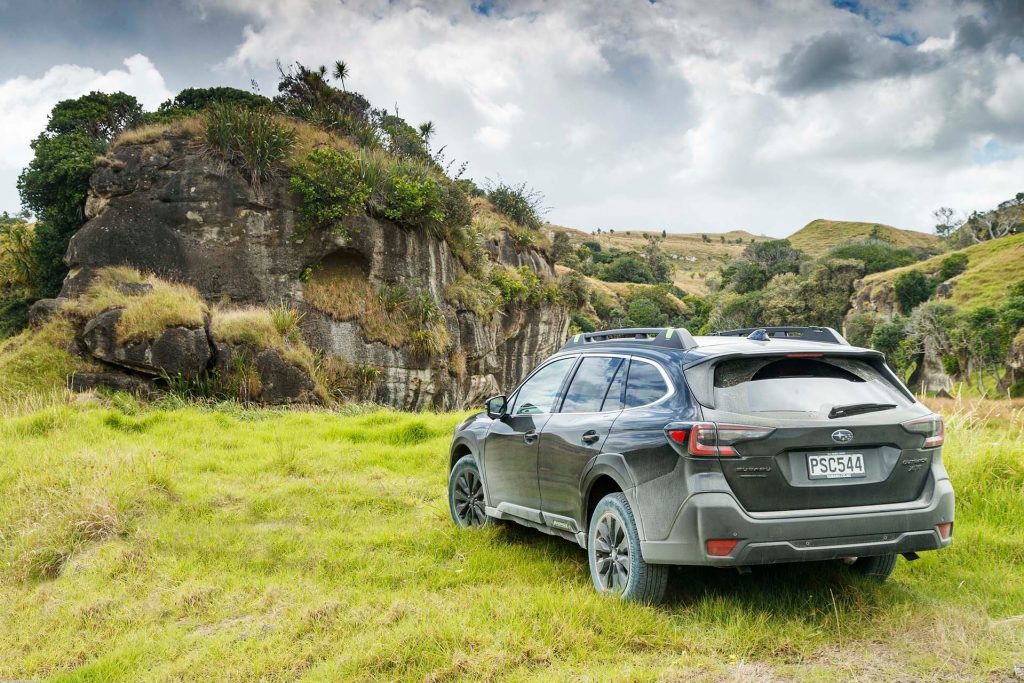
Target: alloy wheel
611	548
469	498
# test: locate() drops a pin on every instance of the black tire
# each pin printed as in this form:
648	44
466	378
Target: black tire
466	494
878	567
611	536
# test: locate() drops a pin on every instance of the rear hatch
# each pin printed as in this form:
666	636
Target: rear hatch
837	437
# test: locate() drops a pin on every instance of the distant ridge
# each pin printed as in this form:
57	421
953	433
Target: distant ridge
820	235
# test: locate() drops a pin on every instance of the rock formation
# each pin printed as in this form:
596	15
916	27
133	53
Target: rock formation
176	211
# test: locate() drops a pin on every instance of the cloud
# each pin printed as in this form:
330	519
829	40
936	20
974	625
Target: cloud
683	115
25	105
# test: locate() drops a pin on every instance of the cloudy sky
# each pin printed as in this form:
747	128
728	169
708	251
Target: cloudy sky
688	116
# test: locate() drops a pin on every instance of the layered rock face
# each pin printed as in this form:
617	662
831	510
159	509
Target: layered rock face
175	211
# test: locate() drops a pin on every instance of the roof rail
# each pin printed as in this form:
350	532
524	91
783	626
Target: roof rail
663	337
815	334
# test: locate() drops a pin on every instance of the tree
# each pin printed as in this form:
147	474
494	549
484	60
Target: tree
657	261
859	327
426	131
912	288
194	100
341	72
99	116
946	222
561	246
875	254
890	338
627	268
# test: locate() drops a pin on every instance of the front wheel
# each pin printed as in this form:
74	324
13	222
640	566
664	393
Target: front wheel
466	494
613	548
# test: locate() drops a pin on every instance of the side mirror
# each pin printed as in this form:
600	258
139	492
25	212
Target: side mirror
496	407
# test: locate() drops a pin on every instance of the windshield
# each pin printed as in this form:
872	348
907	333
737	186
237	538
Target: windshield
800	387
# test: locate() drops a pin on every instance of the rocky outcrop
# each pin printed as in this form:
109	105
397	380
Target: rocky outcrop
176	352
173	210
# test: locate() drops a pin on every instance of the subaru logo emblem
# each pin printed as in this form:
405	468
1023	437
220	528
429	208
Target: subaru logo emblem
842	436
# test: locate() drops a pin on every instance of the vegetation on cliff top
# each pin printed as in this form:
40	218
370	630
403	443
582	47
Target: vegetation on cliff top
819	236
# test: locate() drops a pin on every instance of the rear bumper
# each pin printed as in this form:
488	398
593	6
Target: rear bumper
804	536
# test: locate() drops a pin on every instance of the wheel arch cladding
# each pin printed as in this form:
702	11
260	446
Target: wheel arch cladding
459	450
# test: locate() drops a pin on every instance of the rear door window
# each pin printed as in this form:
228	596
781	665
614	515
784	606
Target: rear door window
644	385
800	387
589	386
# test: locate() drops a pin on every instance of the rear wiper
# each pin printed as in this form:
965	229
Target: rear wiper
858	408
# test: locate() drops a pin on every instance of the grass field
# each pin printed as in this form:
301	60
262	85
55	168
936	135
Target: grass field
222	543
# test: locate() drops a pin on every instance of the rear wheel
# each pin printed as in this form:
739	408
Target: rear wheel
878	567
466	494
613	548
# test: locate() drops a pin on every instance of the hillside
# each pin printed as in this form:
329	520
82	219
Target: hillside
819	236
693	256
993	267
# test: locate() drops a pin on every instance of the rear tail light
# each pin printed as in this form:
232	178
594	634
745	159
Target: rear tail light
706	439
945	530
721	547
930	427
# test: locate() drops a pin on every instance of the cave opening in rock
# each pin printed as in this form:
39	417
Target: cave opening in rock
339	284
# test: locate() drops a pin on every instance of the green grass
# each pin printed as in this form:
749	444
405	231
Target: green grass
992	268
221	543
820	236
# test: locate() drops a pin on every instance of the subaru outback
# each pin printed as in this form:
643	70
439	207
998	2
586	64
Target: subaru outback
653	447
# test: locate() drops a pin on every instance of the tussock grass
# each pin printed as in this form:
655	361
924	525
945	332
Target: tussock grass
35	365
391	314
191	126
234	544
146	313
250	326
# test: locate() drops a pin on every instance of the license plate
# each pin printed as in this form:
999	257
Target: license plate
835	465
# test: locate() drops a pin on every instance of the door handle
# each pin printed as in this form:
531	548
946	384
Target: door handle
591	437
530	436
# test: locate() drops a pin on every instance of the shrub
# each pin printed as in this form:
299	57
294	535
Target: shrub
510	287
912	288
416	202
574	290
329	188
471	294
252	139
952	265
877	255
628	267
860	327
521	204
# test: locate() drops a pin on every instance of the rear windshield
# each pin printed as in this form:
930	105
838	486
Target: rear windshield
800	387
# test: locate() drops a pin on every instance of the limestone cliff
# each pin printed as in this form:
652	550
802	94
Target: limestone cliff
175	210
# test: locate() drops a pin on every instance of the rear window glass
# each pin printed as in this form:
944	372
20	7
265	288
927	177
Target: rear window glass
800	387
645	384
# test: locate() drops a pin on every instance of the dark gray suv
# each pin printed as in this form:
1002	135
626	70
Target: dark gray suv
652	447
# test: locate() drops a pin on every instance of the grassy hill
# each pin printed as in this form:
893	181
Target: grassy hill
693	257
992	268
230	544
819	236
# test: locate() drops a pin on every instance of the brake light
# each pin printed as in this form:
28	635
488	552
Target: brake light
721	547
679	435
931	427
805	355
706	439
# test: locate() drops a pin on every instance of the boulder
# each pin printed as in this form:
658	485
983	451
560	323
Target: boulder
177	351
44	309
118	381
281	381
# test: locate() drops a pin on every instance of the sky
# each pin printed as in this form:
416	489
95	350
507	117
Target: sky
687	116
